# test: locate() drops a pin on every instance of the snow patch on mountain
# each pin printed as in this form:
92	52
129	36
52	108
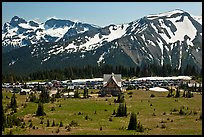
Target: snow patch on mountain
101	59
57	32
166	14
179	33
12	62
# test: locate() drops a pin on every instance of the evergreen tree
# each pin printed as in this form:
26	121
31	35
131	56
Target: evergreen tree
4	123
177	92
53	123
133	122
61	125
195	87
122	110
40	110
184	93
85	93
13	103
120	98
48	123
44	96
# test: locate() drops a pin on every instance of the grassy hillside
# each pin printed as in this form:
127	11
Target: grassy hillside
152	112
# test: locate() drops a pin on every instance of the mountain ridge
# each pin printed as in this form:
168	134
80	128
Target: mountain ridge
153	39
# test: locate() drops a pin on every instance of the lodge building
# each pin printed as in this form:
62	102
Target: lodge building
112	85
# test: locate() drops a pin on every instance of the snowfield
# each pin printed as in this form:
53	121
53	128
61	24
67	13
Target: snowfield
158	89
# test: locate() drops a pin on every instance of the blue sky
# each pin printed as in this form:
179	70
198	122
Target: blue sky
98	13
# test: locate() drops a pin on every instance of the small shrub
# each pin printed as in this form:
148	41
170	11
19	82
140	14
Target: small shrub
153	114
164	113
167	119
58	130
115	101
86	117
33	127
41	122
110	119
48	123
73	123
114	112
60	105
130	93
61	125
182	107
121	128
172	120
22	126
174	110
105	109
181	112
200	118
150	104
52	109
68	128
163	121
195	113
53	123
79	113
130	87
100	128
152	95
163	126
140	128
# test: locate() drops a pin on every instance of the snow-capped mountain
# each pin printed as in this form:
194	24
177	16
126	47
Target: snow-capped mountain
173	38
18	32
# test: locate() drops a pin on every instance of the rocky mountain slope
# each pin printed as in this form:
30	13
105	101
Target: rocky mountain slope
173	38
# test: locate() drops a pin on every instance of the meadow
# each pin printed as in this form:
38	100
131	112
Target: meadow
159	115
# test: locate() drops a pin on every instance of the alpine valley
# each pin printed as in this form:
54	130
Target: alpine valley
172	38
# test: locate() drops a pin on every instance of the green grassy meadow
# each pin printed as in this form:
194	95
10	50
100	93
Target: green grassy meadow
141	103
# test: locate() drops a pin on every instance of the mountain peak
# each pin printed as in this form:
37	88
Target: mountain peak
167	14
16	20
